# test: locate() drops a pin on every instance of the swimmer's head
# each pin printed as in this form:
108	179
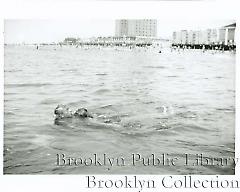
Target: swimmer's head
82	112
62	111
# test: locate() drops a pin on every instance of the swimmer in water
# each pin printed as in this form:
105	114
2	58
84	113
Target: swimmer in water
65	116
62	111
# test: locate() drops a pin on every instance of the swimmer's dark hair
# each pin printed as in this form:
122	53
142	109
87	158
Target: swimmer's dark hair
82	112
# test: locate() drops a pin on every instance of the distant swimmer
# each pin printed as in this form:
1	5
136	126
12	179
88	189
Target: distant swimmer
203	48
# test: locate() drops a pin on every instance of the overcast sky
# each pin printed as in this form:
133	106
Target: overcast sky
37	31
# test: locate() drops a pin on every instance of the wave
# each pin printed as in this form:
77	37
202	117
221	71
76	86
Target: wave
154	67
69	70
5	93
227	110
12	70
101	74
77	103
9	113
17	165
187	143
172	76
219	77
48	101
187	115
100	91
28	84
191	127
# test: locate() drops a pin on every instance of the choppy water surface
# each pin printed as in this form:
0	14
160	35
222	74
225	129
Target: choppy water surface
169	103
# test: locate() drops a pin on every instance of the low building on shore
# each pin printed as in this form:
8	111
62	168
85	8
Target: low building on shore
113	41
70	41
230	34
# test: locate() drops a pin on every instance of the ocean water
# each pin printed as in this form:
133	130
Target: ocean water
144	104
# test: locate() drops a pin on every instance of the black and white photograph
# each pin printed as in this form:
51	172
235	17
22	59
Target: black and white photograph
120	96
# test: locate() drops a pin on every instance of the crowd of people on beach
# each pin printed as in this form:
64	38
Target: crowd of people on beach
146	47
203	47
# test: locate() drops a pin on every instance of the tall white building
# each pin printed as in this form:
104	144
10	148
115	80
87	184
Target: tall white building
221	35
214	36
121	27
136	28
205	37
179	37
224	35
191	37
194	37
184	36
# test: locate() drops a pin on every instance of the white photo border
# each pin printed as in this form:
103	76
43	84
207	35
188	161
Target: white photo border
63	9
